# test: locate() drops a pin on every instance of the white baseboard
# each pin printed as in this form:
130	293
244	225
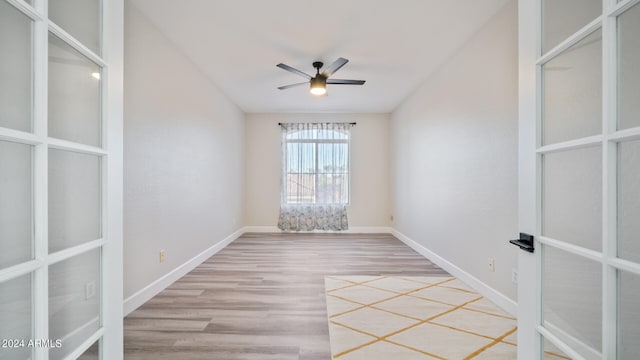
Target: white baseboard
483	289
351	230
262	229
136	300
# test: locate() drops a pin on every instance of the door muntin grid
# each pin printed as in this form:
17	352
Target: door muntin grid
24	131
618	192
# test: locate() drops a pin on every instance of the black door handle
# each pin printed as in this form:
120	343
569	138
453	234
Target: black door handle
525	242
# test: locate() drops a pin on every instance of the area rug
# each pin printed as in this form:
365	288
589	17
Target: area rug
417	317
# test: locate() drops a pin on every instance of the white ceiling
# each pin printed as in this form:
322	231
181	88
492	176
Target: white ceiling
392	44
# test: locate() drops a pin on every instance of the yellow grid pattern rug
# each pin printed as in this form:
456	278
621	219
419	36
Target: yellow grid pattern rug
416	317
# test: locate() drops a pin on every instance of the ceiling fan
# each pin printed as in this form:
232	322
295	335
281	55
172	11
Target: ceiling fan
319	82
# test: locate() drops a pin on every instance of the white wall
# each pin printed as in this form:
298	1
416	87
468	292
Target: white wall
184	157
369	167
454	156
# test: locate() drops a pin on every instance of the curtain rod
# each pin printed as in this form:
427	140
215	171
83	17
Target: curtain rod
351	123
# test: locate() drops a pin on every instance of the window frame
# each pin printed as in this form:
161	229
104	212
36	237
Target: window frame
285	172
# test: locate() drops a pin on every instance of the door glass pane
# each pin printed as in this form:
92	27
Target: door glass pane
629	316
629	200
572	92
80	18
561	19
628	69
16	204
572	197
92	353
74	199
74	301
16	317
572	298
552	352
74	95
16	82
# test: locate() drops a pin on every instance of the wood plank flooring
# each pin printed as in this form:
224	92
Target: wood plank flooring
262	297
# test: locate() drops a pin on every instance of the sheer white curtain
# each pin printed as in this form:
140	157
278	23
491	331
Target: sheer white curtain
315	176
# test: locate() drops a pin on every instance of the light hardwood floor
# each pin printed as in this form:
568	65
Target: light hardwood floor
262	297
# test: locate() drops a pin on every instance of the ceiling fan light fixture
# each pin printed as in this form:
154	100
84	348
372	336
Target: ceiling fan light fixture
318	85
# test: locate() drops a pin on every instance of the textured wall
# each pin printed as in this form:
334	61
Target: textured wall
369	205
184	157
454	156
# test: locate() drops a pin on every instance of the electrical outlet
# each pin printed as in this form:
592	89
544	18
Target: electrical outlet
514	275
89	290
492	264
161	255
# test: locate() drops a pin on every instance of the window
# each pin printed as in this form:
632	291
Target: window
315	164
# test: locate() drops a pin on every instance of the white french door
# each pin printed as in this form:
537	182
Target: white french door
61	179
579	192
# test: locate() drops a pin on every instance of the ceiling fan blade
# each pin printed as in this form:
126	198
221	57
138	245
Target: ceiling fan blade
294	70
293	85
345	82
334	67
